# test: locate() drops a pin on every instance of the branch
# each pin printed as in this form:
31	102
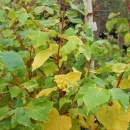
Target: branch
22	87
58	55
72	101
89	66
119	79
63	16
84	65
6	117
2	97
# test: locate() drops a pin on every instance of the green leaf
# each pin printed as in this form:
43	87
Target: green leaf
112	15
22	17
122	25
14	91
64	101
12	15
38	37
70	32
119	67
49	68
96	96
21	117
49	10
39	109
30	85
99	82
76	8
4	112
106	68
85	50
121	96
49	2
11	60
2	15
49	22
39	9
127	39
7	32
110	24
101	42
40	58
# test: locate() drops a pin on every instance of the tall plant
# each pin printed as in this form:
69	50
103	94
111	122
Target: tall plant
46	81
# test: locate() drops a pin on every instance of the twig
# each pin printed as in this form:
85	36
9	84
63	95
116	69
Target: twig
89	65
22	87
58	55
119	79
84	66
72	101
63	16
2	97
6	117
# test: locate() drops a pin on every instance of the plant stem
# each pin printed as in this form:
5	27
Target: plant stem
63	16
89	65
84	65
6	118
2	97
67	65
60	32
72	101
58	55
37	25
30	61
22	87
61	93
119	79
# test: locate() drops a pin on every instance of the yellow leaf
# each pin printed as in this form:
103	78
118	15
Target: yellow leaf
125	83
65	81
73	77
82	122
40	58
129	77
90	122
119	67
57	122
75	125
113	117
60	80
62	60
46	92
128	113
76	40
